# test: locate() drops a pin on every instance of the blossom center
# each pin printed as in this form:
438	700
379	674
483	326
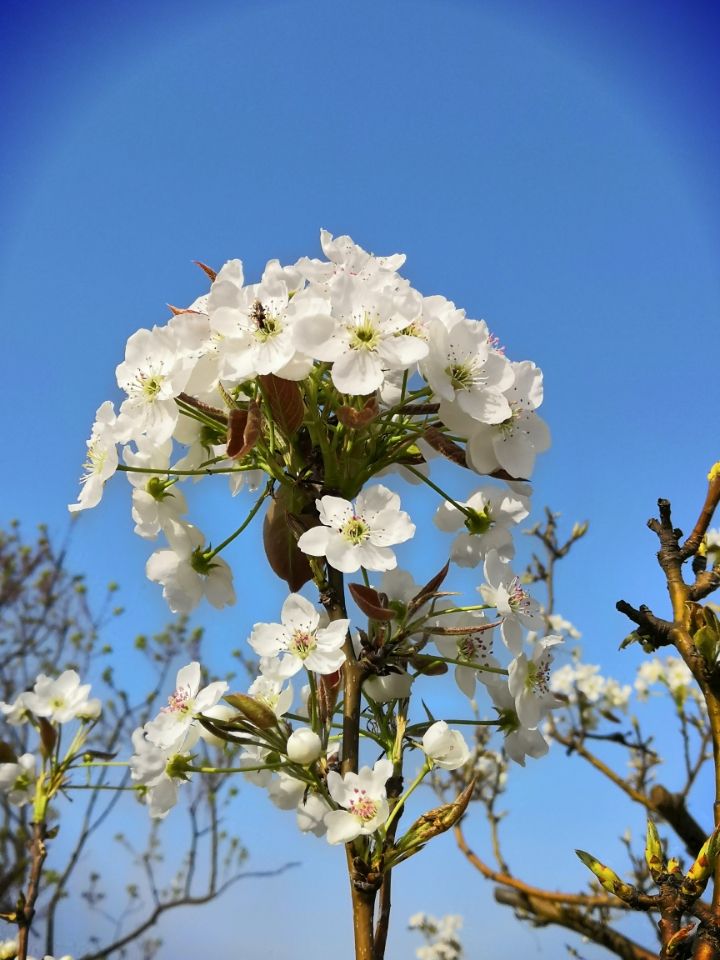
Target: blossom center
96	457
538	676
355	530
179	702
151	386
302	644
365	335
518	599
362	806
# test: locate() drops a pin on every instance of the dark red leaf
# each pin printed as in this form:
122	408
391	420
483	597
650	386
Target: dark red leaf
369	601
286	404
206	269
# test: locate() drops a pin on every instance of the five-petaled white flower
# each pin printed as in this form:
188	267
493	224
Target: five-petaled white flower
186	573
102	458
513	603
363	799
63	699
359	536
173	722
17	780
529	682
299	640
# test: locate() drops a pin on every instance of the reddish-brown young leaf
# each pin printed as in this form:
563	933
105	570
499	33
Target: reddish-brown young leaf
328	690
48	736
448	448
285	401
284	557
370	602
354	419
244	427
431	587
206	269
175	310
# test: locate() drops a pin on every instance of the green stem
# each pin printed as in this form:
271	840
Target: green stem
425	770
469	663
437	489
244	524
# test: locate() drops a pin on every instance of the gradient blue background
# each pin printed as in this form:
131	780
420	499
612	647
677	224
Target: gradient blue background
552	167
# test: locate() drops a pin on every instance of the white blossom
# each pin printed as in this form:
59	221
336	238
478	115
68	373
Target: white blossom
445	747
63	699
185	572
17	780
102	458
494	512
299	641
513	603
363	799
359	536
304	746
529	682
172	724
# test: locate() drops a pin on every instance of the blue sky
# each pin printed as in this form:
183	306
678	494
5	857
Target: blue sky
552	167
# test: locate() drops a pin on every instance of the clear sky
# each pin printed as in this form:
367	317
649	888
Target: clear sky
551	166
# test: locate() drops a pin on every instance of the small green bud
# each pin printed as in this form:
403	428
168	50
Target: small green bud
700	872
608	878
654	853
255	710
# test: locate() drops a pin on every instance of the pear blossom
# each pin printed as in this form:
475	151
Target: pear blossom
17	780
359	536
285	791
174	721
185	572
513	443
346	256
494	512
160	770
155	500
102	458
254	756
391	686
363	799
513	603
311	811
299	641
222	712
269	687
256	323
520	741
14	713
304	746
153	373
461	367
446	748
474	650
529	682
365	335
62	699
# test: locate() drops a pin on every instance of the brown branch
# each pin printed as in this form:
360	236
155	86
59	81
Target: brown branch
576	899
161	908
706	582
672	807
690	547
660	631
545	912
26	911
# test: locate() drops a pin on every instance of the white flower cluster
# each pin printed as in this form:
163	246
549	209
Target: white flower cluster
585	679
350	324
163	745
441	935
671	673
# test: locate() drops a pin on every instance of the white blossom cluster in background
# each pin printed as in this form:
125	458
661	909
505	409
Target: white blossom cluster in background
441	936
671	673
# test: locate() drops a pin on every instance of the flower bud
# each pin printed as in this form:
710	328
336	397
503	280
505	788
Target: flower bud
700	872
219	712
654	853
252	708
304	746
608	878
395	686
445	747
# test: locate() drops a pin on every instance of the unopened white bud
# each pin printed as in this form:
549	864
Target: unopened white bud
304	746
